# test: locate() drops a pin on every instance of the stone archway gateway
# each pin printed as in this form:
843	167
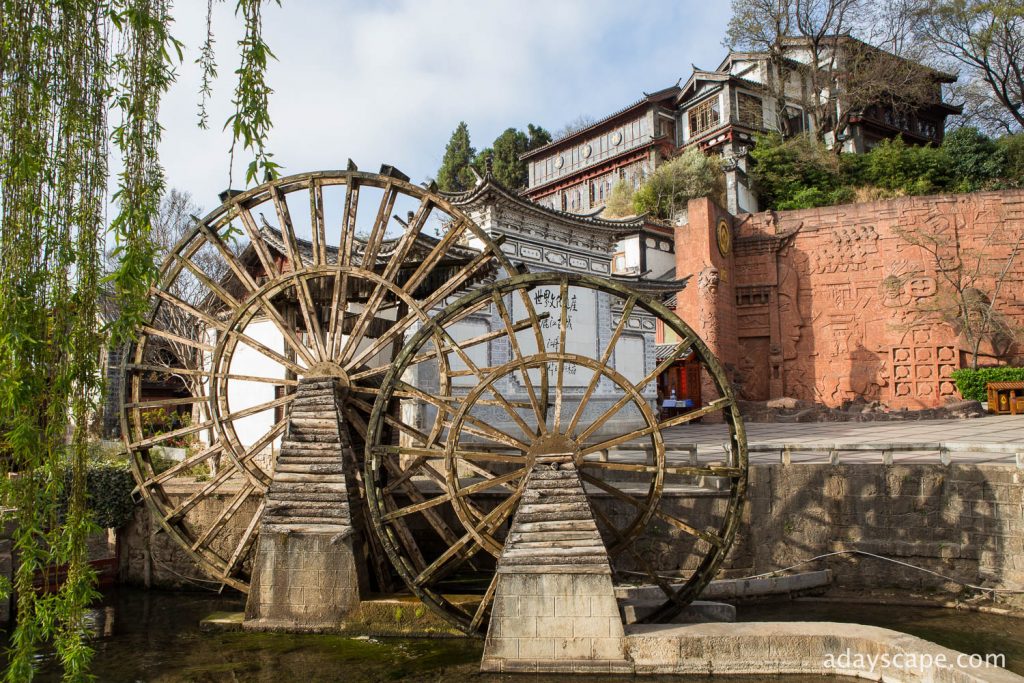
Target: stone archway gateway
360	434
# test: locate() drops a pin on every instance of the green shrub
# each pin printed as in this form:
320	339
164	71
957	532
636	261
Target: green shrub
796	173
620	200
109	489
667	190
895	165
1012	147
971	383
975	160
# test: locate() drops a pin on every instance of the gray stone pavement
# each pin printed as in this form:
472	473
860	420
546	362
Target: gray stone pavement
1002	432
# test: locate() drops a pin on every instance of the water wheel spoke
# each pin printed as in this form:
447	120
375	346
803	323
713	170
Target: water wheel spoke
711	539
177	339
218	291
490	480
186	463
184	506
266	351
245	542
439	294
713	407
606	355
257	408
190	429
317	227
167	402
450	239
408	238
187	308
506	319
467	546
435	520
277	318
417	507
485	602
380	226
446	349
224	517
681	348
346	245
306	306
623	543
259	246
167	370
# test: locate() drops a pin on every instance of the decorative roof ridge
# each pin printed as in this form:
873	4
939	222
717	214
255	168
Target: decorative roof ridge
655	96
491	184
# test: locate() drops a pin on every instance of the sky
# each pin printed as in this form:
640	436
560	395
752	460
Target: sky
387	81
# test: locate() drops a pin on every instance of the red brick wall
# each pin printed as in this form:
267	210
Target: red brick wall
835	304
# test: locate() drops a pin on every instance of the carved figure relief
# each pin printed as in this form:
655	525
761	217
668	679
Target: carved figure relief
847	248
790	317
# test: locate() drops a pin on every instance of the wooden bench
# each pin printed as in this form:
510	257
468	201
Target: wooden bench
1005	398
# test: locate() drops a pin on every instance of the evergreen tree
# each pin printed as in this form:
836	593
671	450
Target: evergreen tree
506	165
455	174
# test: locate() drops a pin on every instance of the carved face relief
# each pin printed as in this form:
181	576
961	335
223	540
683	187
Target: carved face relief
708	280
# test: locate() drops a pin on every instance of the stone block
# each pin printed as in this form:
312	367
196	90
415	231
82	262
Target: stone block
537	605
574	648
536	648
573	605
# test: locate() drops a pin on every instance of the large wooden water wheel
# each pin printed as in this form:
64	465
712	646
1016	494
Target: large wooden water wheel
455	374
540	400
245	306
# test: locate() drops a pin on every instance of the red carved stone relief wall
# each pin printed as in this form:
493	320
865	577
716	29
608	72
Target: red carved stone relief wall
852	302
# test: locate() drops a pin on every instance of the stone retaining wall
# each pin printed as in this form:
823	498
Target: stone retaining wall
963	521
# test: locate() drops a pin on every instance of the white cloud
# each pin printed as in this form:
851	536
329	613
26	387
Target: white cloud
388	81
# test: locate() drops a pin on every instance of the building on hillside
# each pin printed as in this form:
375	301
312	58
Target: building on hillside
720	111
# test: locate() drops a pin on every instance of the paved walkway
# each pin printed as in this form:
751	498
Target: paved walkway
1003	431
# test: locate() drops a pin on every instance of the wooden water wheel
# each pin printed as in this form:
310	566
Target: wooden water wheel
330	285
543	397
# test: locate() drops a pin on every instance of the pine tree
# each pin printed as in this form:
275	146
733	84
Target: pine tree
506	165
455	174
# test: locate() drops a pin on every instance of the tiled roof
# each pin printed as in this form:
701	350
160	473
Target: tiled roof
490	184
656	96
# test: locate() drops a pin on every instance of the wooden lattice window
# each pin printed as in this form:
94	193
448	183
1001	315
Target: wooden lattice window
705	116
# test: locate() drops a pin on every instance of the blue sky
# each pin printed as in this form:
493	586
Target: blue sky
388	81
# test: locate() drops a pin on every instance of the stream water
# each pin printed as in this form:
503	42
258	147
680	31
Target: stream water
154	636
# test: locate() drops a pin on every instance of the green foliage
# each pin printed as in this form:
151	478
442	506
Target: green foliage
688	176
250	124
975	160
504	154
801	172
109	488
910	169
794	173
73	78
620	200
455	174
1012	147
971	383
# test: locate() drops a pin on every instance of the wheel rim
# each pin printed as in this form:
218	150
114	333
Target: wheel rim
505	455
396	265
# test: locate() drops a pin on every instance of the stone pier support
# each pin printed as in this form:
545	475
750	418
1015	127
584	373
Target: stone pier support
554	603
308	572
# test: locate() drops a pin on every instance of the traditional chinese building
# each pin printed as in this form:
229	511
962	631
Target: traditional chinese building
720	111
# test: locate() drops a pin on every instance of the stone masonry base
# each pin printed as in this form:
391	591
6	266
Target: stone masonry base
304	582
555	622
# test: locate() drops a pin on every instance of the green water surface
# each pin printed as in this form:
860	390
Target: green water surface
155	636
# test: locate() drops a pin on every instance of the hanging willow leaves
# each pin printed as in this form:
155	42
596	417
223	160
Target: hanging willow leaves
250	124
64	64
